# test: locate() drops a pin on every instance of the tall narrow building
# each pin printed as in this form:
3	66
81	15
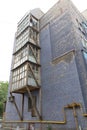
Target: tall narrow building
48	82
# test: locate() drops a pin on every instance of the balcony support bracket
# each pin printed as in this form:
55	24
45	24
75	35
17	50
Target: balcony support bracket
21	118
35	108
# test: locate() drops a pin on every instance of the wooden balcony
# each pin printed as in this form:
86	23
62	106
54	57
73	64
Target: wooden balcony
24	89
26	75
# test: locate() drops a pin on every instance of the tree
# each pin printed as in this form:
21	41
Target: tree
3	95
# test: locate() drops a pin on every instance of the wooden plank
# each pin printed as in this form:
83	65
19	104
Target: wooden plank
34	55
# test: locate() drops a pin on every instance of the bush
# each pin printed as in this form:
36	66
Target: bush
49	127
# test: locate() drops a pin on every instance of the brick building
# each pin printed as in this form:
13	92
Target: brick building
48	81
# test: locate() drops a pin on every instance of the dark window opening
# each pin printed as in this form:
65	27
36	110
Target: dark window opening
32	108
33	67
29	104
82	31
33	22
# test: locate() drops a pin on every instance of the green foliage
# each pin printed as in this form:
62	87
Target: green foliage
3	94
49	127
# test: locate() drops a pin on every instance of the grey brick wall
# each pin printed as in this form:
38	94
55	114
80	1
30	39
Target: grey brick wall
56	11
61	81
11	112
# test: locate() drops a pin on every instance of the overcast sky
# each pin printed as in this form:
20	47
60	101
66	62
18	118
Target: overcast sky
11	11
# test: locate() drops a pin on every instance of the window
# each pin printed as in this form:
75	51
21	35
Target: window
30	107
85	26
33	22
23	24
85	56
81	27
33	34
30	74
30	52
37	52
34	54
29	104
33	67
33	110
84	43
35	70
19	77
82	30
20	57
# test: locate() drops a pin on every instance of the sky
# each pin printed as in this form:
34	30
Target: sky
11	11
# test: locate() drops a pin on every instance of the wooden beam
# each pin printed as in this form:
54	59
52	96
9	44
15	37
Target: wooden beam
33	75
34	54
33	105
17	108
40	101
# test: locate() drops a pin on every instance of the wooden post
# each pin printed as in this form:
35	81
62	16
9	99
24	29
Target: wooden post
34	55
33	75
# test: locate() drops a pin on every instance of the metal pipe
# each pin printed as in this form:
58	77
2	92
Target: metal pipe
41	121
69	106
83	114
80	106
37	121
76	118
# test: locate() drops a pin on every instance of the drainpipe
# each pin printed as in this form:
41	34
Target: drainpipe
76	118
